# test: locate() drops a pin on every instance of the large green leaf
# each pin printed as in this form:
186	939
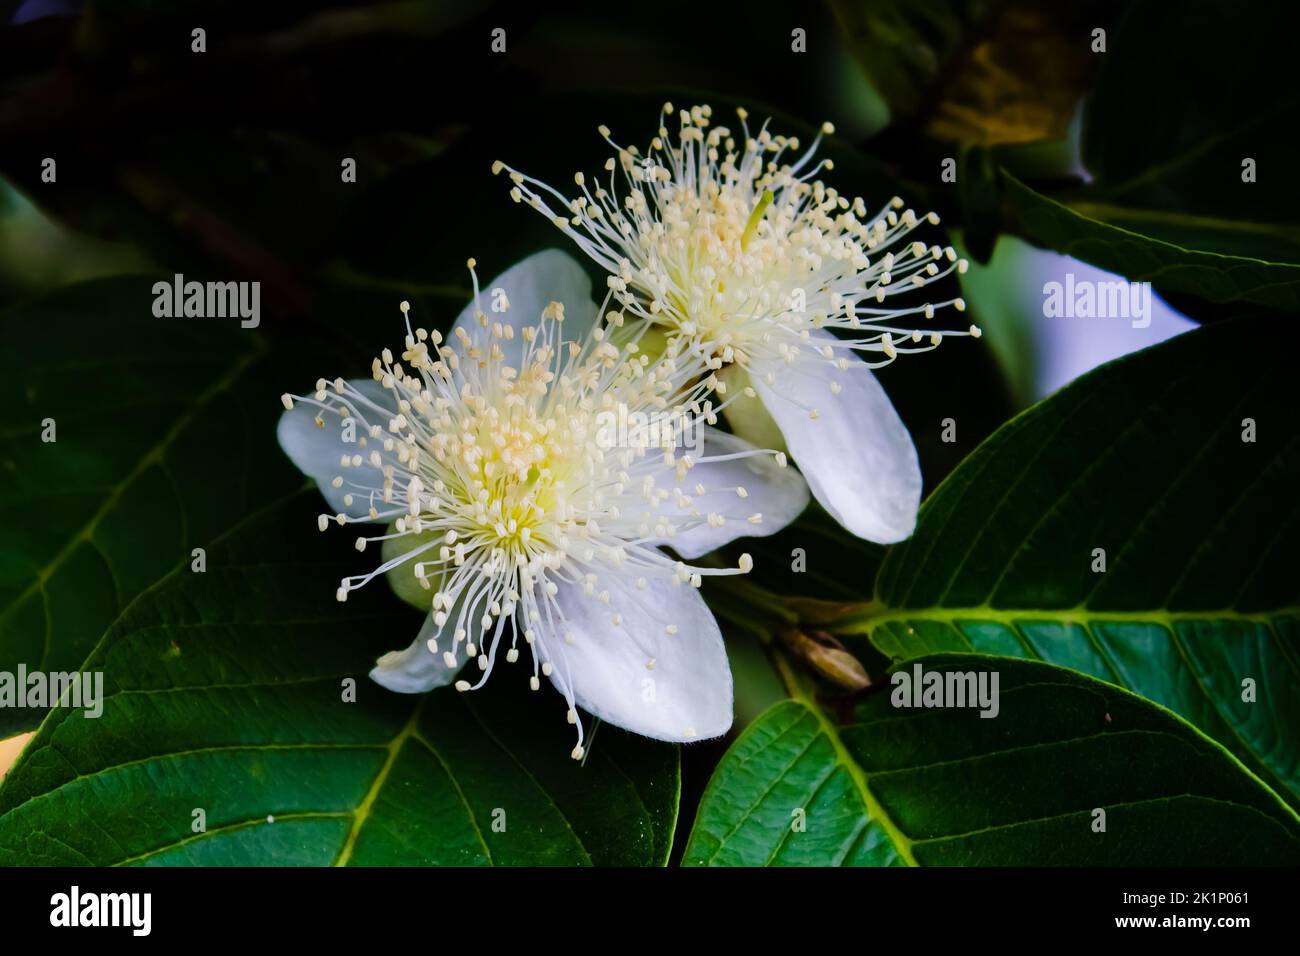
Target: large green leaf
1145	459
225	689
153	456
886	787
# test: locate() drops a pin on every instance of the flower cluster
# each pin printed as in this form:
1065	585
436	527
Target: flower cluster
482	462
509	518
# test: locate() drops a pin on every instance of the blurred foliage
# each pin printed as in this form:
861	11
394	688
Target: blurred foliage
1007	329
977	71
1021	82
906	48
1162	155
37	252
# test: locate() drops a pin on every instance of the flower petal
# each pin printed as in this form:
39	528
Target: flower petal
416	669
634	674
530	285
317	450
778	495
856	454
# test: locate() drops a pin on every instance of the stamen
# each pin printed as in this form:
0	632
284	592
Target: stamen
685	252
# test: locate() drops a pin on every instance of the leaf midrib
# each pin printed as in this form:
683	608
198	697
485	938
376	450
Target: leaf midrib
1077	614
1082	617
190	752
1168	798
394	747
805	695
1109	214
1229	260
232	827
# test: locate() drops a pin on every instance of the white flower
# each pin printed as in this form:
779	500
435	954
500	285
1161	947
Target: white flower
516	521
751	261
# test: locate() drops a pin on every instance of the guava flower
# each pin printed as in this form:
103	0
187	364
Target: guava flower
520	513
752	262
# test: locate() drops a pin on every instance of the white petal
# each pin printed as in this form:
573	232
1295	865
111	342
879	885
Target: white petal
317	450
417	669
635	674
529	286
778	494
857	455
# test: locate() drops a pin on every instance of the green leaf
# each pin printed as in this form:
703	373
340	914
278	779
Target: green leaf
886	786
153	455
1175	252
224	691
1161	133
1145	459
